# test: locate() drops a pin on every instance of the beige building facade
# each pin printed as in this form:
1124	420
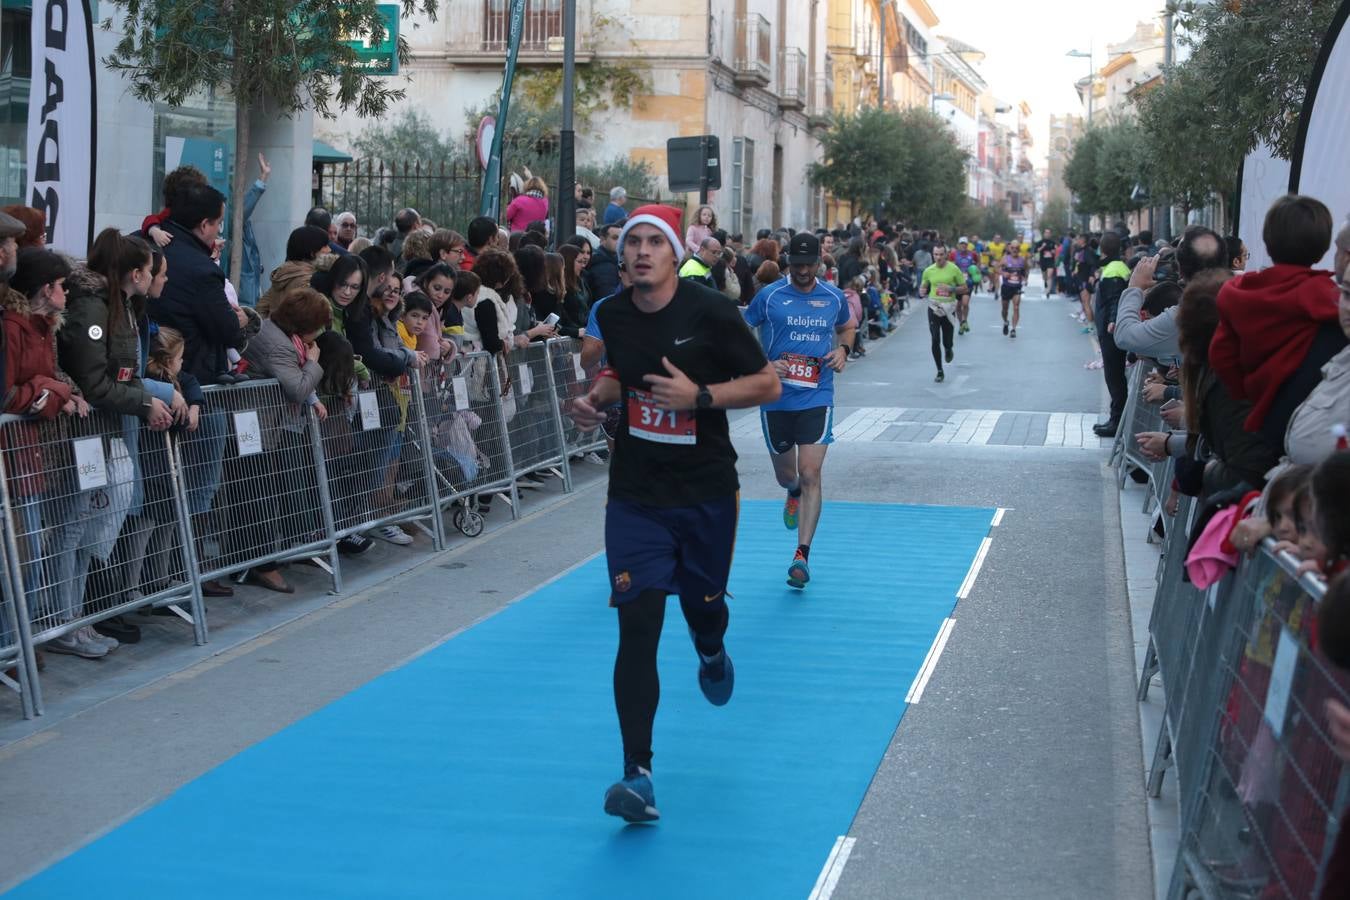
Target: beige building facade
754	73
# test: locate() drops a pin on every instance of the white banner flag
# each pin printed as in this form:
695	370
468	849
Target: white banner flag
62	126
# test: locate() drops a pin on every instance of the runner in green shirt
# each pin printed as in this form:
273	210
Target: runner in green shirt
943	285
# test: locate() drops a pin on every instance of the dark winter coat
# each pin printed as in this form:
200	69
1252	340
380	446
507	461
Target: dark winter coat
602	275
194	303
102	357
1241	457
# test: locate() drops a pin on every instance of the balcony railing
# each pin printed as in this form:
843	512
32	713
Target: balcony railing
792	79
820	110
543	20
864	41
753	50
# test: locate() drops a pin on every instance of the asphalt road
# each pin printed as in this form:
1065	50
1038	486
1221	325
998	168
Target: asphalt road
1016	775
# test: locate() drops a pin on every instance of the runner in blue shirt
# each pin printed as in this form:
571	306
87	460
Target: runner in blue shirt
966	258
805	327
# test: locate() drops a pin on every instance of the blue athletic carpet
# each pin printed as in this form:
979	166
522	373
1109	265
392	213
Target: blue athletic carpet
478	769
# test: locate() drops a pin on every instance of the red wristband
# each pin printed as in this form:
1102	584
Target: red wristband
608	372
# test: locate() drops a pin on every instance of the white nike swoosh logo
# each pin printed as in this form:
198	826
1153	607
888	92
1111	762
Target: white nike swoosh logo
679	341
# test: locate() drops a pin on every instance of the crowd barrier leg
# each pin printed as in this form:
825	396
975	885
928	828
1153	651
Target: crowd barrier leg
513	492
187	539
423	440
556	404
28	685
1160	763
325	501
1147	671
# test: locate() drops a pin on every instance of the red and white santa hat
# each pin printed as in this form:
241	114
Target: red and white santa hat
666	218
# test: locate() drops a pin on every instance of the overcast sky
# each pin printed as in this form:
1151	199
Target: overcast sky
1025	46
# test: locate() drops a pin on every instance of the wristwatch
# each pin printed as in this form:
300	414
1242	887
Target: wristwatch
705	398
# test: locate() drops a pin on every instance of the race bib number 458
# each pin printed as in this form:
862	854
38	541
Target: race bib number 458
802	371
663	426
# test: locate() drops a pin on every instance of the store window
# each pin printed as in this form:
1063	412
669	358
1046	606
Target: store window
16	69
199	133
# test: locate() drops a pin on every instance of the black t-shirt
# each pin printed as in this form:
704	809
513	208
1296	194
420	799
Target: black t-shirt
705	336
1047	250
452	316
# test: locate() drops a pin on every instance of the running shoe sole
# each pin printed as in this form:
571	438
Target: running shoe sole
629	805
798	574
789	515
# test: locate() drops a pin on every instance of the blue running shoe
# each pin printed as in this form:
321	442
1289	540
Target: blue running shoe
633	799
798	573
716	677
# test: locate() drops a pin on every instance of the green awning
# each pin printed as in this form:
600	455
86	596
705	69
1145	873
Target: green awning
326	153
322	152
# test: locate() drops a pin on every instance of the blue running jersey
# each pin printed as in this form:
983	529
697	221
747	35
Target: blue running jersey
800	327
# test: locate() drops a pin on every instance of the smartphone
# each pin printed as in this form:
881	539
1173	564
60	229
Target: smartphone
1171	404
551	319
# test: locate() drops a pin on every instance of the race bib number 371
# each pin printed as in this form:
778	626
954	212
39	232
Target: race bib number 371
663	426
802	371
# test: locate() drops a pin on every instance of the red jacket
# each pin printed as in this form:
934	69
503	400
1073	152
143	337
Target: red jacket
30	360
1267	322
154	219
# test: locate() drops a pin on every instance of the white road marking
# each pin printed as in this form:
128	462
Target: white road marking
969	427
975	567
998	517
834	868
930	661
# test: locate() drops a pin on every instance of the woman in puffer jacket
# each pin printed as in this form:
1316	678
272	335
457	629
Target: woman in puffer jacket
303	249
101	347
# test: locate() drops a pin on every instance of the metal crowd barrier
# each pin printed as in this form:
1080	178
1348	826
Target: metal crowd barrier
1262	814
1173	629
1123	435
534	415
1139	416
571	381
94	526
1261	789
254	475
470	444
102	516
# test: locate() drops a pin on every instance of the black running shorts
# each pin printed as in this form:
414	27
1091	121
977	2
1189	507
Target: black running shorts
788	428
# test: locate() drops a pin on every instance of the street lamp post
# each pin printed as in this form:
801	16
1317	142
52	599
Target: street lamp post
881	60
1087	220
566	205
1091	78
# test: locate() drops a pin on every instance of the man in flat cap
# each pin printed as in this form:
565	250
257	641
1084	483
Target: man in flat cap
10	230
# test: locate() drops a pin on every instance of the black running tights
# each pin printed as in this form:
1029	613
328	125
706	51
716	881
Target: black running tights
942	330
637	686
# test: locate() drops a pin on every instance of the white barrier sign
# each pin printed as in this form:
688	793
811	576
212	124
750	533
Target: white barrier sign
461	386
370	410
247	432
526	379
578	368
1281	681
91	468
